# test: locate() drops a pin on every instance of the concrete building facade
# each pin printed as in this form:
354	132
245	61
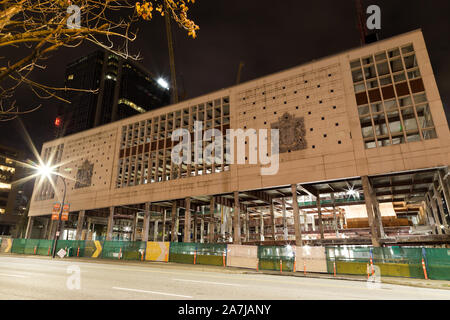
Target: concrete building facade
364	127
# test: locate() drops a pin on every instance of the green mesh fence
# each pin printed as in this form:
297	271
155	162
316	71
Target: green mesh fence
211	254
438	263
182	252
18	246
392	261
270	256
123	250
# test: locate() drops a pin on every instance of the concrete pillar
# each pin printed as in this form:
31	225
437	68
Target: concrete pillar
195	237
438	198
155	231
272	217
80	224
146	224
297	228
29	227
370	213
237	220
202	229
247	224
305	219
336	228
174	225
285	226
187	220
261	227
133	227
212	221
432	205
109	231
163	239
224	219
377	213
445	189
319	211
50	232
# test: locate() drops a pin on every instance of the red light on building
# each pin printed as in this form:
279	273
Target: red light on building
58	121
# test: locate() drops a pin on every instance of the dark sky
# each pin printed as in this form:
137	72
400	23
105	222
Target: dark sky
269	36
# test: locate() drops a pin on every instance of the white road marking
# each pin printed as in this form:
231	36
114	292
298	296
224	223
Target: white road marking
12	275
152	292
210	282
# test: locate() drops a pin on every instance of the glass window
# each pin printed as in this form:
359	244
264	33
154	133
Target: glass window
420	98
369	72
399	77
367	60
380	56
362	110
377	107
393	53
413	136
385	81
357	75
383	68
410	61
396	65
407	49
360	87
406	101
414	74
429	134
424	116
372	84
390	105
395	126
398	139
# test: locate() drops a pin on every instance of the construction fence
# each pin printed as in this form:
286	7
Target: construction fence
433	263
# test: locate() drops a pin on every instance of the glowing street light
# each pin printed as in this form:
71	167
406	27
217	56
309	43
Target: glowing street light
163	83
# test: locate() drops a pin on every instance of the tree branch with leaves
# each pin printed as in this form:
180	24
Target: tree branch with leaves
38	28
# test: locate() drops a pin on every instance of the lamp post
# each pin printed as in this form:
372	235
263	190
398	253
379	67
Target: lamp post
59	224
47	171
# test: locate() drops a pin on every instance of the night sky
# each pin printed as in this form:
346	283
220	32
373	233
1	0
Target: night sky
269	36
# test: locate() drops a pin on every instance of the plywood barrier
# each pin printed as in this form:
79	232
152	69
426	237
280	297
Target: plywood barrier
242	256
157	251
313	258
5	245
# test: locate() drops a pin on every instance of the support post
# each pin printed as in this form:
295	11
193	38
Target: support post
155	231
29	227
174	231
261	227
109	230
146	224
187	220
164	226
297	228
195	237
319	211
272	217
431	204
202	229
444	187
237	220
333	201
370	213
438	198
212	221
247	228
80	224
285	227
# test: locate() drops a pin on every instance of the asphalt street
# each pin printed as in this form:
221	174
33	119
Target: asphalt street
42	278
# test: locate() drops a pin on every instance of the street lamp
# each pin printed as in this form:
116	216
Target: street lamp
46	171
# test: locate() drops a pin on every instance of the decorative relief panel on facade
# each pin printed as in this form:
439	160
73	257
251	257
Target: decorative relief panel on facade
292	133
84	175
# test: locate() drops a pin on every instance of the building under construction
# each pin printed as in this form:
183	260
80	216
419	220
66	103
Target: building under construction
364	155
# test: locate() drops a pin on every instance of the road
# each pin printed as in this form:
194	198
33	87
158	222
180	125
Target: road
42	278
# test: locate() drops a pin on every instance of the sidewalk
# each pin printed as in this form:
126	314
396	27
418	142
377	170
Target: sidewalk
431	284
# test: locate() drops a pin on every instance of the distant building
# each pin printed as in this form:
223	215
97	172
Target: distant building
13	202
124	89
